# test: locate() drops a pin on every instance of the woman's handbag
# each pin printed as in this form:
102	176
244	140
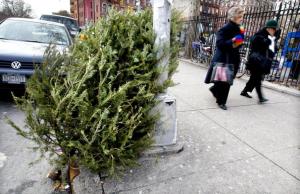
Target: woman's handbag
222	72
258	62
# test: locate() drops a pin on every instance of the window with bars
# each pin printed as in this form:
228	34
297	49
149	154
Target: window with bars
104	8
109	6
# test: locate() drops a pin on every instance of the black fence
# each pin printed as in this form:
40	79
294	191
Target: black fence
286	66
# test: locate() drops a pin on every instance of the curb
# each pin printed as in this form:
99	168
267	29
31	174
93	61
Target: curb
268	85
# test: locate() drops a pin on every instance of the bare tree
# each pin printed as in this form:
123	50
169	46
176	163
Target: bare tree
63	13
14	8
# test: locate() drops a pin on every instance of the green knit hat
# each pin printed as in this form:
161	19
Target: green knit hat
272	24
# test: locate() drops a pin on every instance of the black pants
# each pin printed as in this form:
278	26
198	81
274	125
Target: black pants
221	90
254	82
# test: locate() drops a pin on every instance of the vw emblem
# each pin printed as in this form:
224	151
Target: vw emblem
16	65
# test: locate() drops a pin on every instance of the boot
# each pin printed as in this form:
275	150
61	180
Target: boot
260	96
263	100
223	106
245	93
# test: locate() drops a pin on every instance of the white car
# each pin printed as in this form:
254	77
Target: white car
23	43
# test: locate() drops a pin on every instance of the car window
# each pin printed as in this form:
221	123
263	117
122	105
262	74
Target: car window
69	23
33	32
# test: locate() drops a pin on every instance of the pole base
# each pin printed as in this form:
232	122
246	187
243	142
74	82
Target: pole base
164	150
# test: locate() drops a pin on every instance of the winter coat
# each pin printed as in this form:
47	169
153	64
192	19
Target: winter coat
225	52
260	44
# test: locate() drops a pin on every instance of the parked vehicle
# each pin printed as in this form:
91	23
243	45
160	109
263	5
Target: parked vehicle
69	22
22	46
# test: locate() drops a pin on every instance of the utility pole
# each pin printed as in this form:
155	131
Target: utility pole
94	10
161	26
165	136
138	5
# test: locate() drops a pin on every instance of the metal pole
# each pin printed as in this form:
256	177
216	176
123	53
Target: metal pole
279	12
161	26
138	5
94	10
165	136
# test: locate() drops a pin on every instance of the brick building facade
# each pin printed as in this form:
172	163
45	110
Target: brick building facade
193	8
86	11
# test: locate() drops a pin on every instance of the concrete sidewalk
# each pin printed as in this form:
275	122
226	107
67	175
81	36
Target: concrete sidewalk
250	148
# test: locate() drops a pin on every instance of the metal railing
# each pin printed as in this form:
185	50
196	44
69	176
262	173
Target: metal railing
286	66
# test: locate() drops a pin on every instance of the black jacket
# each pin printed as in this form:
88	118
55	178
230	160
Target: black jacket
260	43
225	52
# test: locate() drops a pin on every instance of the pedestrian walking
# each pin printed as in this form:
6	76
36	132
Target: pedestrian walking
263	49
226	59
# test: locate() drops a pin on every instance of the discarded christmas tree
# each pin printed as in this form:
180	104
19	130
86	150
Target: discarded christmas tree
92	105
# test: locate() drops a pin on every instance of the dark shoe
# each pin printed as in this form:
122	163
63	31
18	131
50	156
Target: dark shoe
263	100
246	94
223	106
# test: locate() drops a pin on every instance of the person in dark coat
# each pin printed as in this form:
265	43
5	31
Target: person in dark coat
263	43
229	40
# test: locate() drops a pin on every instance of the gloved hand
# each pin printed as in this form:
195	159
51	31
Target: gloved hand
237	41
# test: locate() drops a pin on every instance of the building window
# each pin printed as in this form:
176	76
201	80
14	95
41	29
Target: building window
104	8
97	8
109	7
